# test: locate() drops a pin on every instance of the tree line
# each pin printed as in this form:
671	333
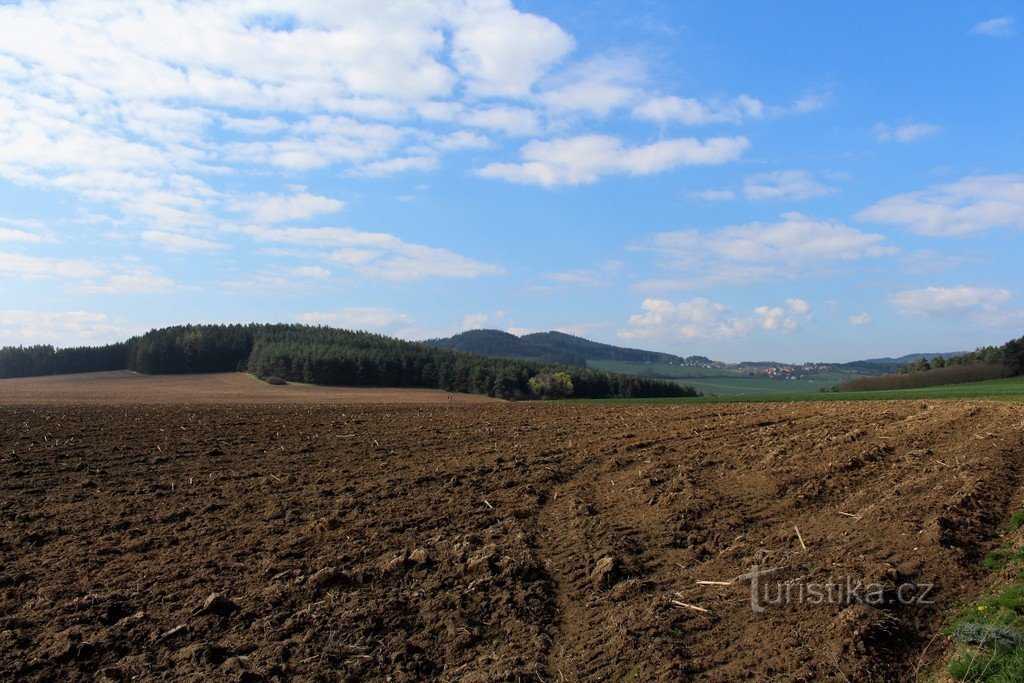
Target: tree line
331	357
1010	354
984	363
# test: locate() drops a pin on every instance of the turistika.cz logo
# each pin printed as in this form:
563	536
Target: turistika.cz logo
833	591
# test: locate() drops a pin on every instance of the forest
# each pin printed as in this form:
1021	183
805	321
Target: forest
331	357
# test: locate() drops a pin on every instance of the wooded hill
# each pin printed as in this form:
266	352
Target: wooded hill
551	347
333	357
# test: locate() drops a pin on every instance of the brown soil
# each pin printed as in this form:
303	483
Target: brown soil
488	542
235	387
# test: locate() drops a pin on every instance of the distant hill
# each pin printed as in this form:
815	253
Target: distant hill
549	347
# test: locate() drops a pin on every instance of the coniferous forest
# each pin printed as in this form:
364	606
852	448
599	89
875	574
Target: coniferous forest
331	357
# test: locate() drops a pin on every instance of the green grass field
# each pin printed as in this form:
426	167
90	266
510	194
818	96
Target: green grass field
723	382
1011	389
659	369
755	386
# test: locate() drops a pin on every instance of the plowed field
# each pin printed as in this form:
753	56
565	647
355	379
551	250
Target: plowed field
490	542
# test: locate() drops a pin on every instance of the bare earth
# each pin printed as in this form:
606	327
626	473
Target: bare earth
236	387
487	542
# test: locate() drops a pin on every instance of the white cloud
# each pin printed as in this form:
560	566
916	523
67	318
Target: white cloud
794	246
178	243
1000	27
973	204
267	208
907	132
792	185
137	281
502	52
783	318
398	165
712	195
86	276
862	319
478	321
313	272
65	328
376	255
35	268
587	277
811	102
584	159
144	106
359	318
464	139
693	112
27	230
596	86
700	318
264	125
959	301
505	119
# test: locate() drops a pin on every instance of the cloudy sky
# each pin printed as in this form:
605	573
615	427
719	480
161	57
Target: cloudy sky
740	180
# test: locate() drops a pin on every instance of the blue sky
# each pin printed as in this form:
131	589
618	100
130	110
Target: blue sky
793	181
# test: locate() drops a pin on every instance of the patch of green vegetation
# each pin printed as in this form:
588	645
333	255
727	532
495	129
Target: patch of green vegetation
1011	389
990	665
1017	521
990	631
997	559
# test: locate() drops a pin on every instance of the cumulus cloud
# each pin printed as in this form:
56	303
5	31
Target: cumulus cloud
795	246
463	139
791	185
956	301
86	276
586	158
511	120
268	208
597	86
907	132
179	243
700	318
502	52
712	195
1000	27
65	328
692	112
314	272
477	321
26	231
128	104
399	165
27	267
861	319
375	254
587	277
973	204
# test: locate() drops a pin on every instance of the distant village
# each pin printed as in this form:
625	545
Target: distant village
766	370
787	371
